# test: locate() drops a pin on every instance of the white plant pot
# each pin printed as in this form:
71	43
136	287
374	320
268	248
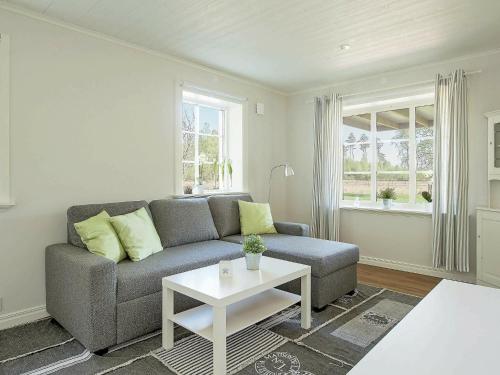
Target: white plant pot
387	203
253	261
198	189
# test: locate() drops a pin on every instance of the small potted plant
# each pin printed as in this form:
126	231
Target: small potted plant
427	195
253	247
215	171
199	187
229	166
387	195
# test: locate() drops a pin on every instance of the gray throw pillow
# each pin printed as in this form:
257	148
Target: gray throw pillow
226	213
182	221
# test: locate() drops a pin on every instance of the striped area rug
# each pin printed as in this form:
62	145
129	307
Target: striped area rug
193	355
62	364
286	315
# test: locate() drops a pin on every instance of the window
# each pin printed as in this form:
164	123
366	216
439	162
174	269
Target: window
388	147
211	144
203	140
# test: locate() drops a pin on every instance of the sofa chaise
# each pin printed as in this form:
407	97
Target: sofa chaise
103	304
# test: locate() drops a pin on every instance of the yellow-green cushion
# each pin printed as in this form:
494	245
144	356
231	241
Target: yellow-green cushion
98	235
255	218
137	234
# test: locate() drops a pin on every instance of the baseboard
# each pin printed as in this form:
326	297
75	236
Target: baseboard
22	316
417	268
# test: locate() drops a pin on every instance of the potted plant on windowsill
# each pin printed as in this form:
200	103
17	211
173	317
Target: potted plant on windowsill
215	171
253	247
427	195
229	168
199	187
388	195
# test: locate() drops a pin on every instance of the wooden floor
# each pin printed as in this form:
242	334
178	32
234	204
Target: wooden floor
405	282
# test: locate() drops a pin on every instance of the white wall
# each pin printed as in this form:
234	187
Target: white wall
403	241
93	121
4	120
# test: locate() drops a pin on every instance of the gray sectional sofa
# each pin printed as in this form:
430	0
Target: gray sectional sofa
102	303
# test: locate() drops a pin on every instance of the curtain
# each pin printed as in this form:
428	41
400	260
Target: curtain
327	167
451	174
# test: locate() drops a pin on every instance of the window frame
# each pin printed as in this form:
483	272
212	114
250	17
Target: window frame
223	139
237	120
410	103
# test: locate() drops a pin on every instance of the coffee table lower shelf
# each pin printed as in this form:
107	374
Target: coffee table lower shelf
239	315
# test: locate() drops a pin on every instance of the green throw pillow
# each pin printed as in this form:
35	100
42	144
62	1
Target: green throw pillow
255	218
98	235
137	234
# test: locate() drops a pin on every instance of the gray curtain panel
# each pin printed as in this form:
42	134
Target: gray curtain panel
327	168
451	174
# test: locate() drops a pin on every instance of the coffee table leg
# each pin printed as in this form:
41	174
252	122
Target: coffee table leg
168	313
305	303
219	340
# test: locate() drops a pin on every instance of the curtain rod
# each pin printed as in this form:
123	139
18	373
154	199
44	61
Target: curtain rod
394	87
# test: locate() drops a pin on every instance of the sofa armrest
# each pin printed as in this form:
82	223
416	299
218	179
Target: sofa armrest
293	229
81	294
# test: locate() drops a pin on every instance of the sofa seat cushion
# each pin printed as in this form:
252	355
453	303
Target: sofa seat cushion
137	279
323	256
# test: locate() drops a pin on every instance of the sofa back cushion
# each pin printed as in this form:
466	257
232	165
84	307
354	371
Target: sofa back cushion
182	221
77	214
226	213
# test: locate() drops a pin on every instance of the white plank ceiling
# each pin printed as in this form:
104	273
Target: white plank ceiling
292	45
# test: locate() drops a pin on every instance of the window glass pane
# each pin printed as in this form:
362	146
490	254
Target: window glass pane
392	156
188	117
209	176
357	157
424	121
209	148
393	124
188	177
209	120
188	146
424	132
357	186
393	152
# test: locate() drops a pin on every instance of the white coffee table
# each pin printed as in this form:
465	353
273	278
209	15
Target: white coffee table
233	303
454	330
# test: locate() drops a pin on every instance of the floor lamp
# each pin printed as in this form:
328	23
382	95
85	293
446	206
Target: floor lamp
288	172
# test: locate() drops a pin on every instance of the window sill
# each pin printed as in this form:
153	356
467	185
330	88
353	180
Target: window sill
209	193
7	205
424	211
